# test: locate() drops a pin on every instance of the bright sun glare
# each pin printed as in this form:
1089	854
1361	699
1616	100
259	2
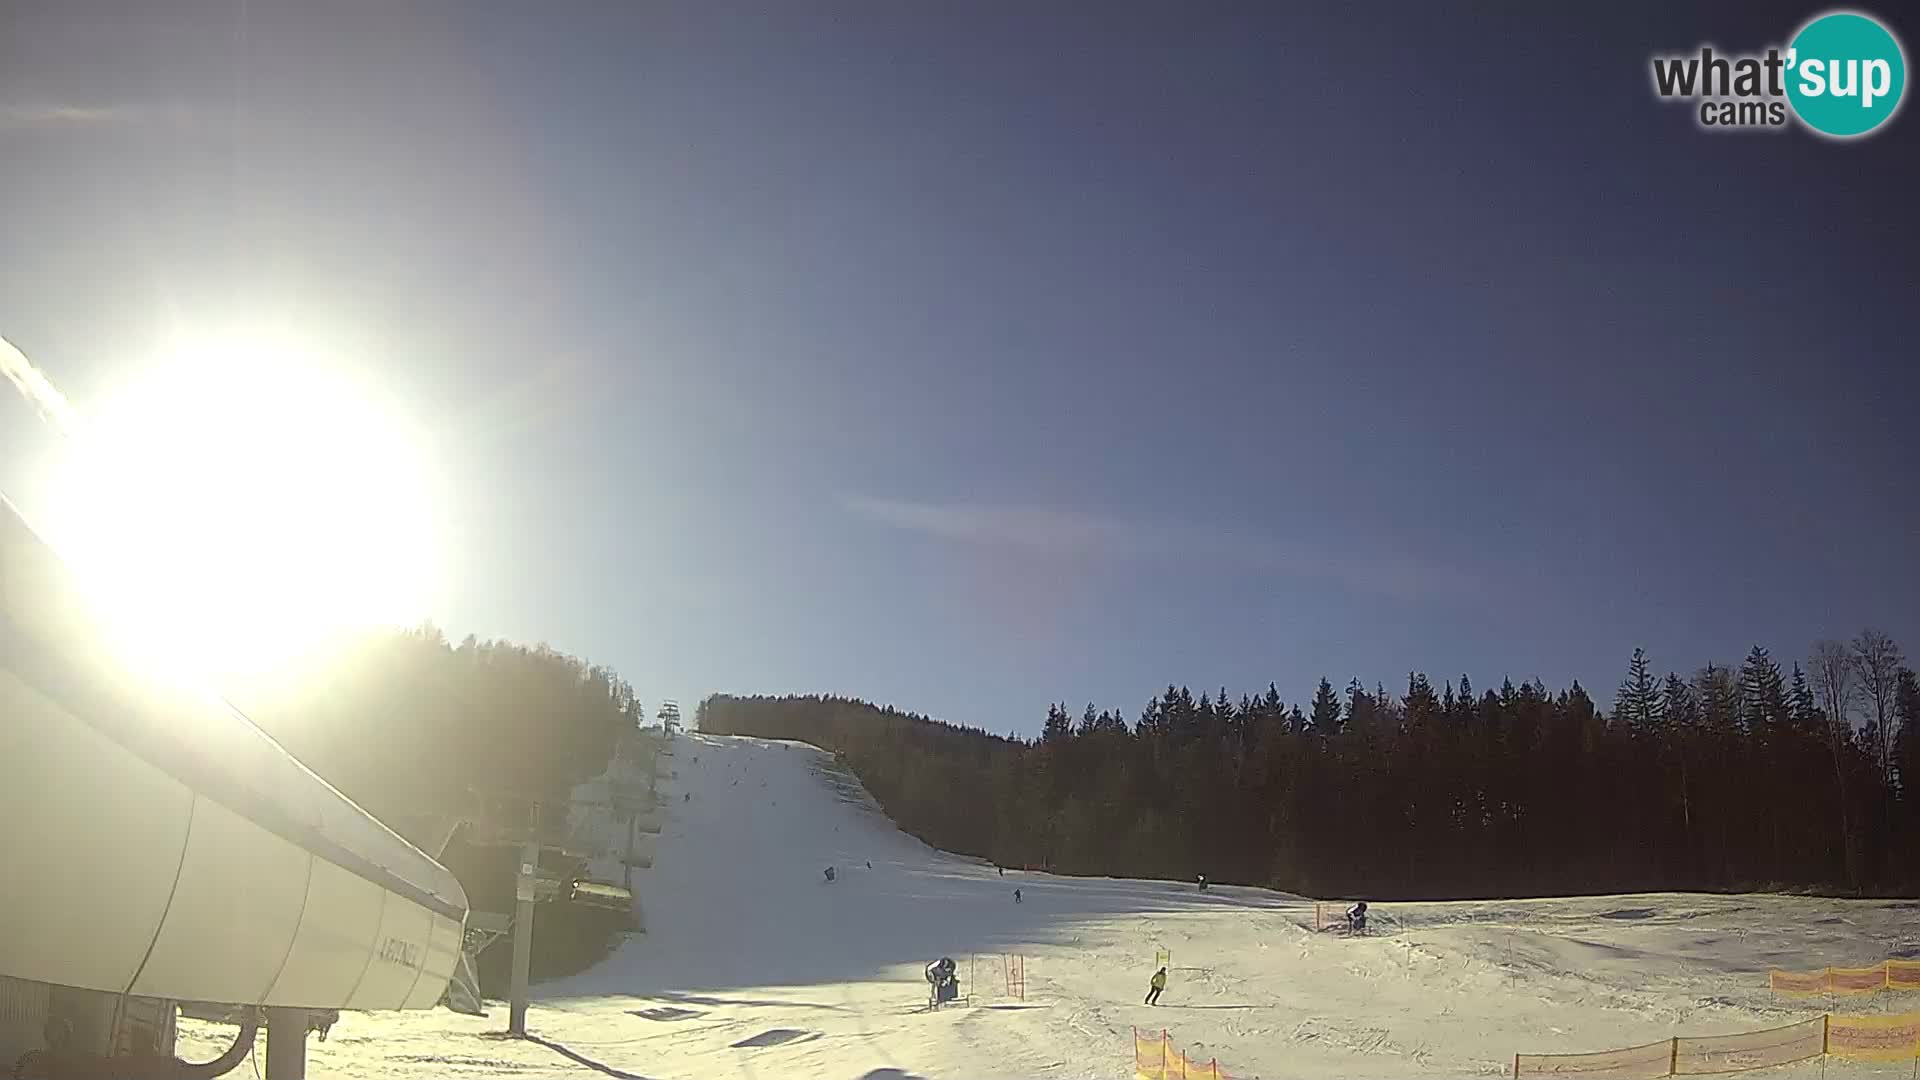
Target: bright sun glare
240	502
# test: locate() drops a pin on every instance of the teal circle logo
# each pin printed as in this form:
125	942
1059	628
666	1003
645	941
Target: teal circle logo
1846	74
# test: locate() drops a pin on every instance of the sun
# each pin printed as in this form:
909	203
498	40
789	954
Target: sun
242	501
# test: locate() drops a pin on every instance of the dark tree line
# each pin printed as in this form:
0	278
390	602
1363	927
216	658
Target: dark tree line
406	723
418	731
1753	776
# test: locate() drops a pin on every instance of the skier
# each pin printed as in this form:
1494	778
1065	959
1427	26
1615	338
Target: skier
1158	984
869	864
1003	871
829	875
1357	918
1203	883
1016	896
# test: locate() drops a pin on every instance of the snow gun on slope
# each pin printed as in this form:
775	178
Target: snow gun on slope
943	982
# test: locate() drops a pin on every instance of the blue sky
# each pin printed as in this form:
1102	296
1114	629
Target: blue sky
969	357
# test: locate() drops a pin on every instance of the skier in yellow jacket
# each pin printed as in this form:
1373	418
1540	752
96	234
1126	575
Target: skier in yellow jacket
1159	983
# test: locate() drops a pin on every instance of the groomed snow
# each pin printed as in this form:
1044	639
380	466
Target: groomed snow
754	967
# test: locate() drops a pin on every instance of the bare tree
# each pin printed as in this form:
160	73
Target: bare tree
1831	666
1877	663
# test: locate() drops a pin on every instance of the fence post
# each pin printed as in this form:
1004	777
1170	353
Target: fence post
1516	1066
1673	1060
1166	1051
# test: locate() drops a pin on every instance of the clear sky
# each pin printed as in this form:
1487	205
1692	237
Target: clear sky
972	356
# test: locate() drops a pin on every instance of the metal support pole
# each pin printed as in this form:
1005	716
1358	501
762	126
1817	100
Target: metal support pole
286	1044
633	823
523	936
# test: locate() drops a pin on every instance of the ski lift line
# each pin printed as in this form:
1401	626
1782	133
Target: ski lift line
113	715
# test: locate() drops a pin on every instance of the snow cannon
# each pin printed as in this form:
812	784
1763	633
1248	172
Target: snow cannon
944	982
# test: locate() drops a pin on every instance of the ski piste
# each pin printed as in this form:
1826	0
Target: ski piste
753	966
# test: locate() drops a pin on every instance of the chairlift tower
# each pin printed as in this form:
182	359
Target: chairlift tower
535	826
669	717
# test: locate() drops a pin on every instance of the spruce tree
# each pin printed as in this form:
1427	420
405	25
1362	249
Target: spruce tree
1636	702
1326	710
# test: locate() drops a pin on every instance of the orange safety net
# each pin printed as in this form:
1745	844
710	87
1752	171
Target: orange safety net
1888	975
1632	1063
1856	1038
1798	983
1903	974
1149	1056
1699	1055
1866	980
1874	1038
1155	1058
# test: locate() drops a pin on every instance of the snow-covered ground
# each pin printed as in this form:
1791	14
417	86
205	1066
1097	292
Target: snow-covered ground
754	967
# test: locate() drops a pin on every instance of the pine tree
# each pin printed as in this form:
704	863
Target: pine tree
1763	698
1906	764
1682	711
1801	710
1906	711
1719	698
1636	703
1360	708
1326	710
1059	726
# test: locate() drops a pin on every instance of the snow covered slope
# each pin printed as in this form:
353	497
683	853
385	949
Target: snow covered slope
755	967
